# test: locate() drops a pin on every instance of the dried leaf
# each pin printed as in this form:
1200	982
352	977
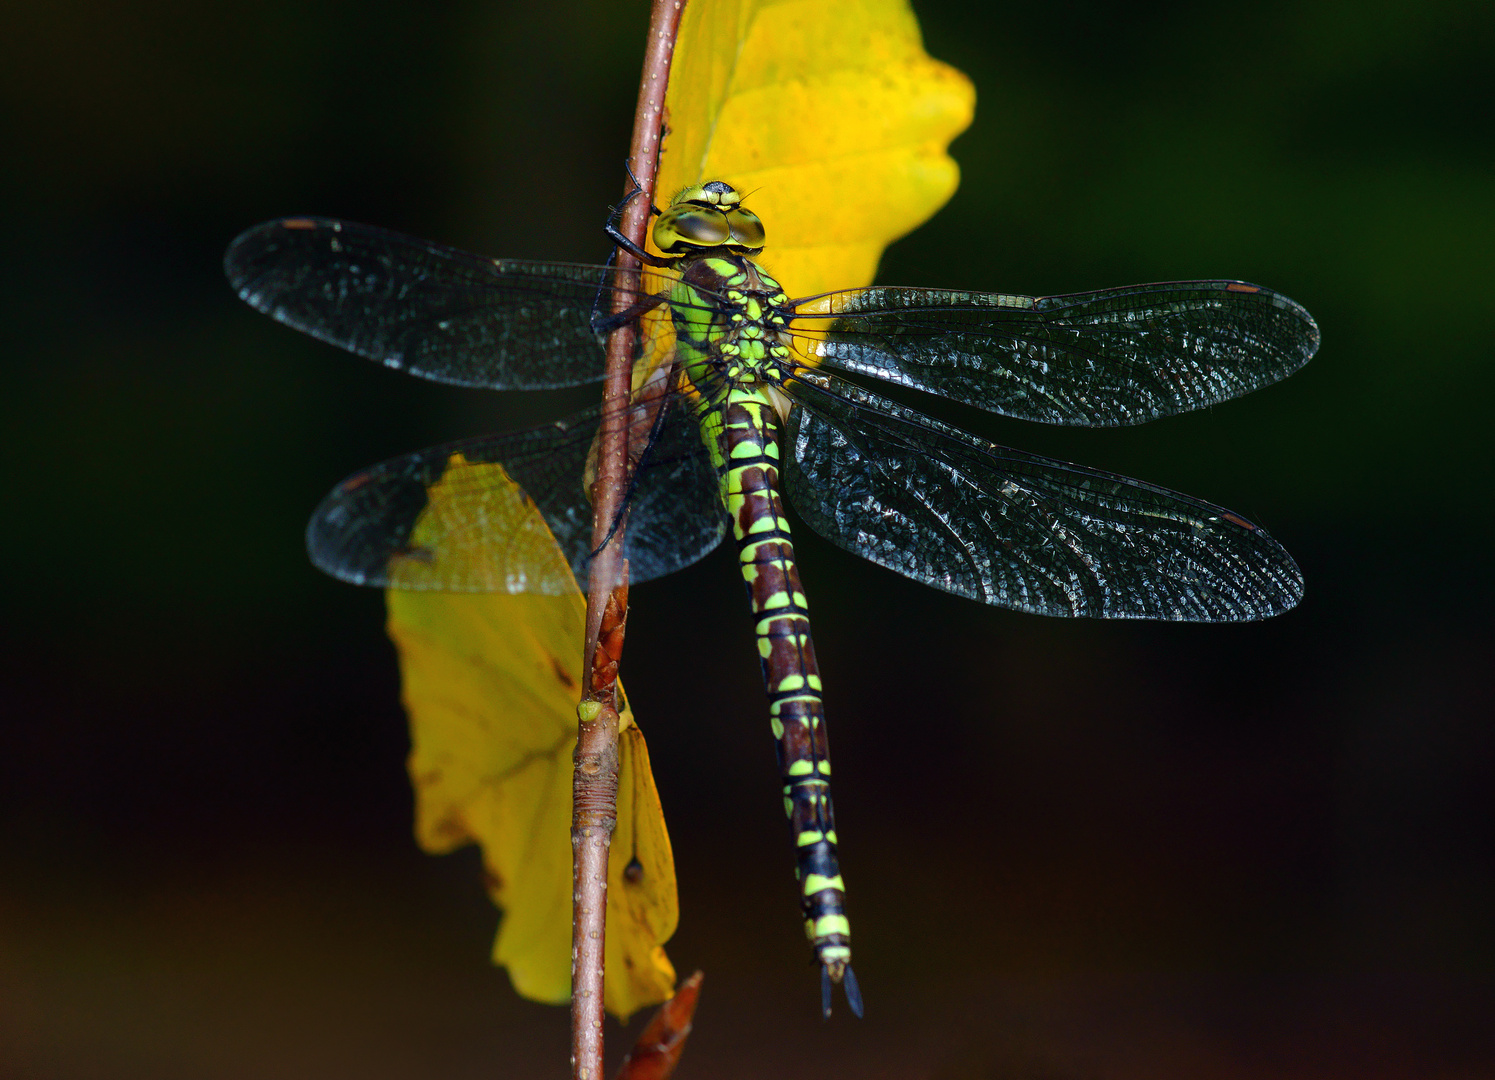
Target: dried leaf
491	684
657	1050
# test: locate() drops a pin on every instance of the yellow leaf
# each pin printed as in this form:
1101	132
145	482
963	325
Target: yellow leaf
828	114
491	683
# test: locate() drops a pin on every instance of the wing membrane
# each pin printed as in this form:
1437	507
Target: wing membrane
433	311
951	510
487	514
1107	358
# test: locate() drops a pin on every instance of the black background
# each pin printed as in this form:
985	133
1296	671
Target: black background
1073	849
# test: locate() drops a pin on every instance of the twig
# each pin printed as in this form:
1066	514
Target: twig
595	780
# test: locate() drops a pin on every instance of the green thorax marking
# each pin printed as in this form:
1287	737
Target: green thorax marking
731	322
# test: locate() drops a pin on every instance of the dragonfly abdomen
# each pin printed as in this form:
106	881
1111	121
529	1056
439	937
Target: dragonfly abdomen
750	449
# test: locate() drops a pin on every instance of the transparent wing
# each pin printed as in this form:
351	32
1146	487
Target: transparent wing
430	310
944	507
461	517
1113	357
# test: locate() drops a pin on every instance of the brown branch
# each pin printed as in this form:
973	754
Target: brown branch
595	779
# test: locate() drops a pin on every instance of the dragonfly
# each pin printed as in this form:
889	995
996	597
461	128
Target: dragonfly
752	410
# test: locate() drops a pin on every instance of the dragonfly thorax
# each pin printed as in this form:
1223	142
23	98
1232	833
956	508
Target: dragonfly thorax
705	217
733	327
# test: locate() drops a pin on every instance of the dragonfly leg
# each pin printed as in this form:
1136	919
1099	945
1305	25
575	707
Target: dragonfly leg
615	212
615	234
633	249
606	323
637	456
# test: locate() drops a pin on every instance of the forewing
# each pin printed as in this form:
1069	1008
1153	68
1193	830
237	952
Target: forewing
1113	357
944	507
509	513
430	310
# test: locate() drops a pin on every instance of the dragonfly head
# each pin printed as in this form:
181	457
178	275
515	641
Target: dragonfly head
705	217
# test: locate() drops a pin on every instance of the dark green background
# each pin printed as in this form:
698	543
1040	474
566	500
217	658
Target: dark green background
1074	849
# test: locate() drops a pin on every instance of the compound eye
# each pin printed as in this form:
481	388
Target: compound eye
691	226
747	228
